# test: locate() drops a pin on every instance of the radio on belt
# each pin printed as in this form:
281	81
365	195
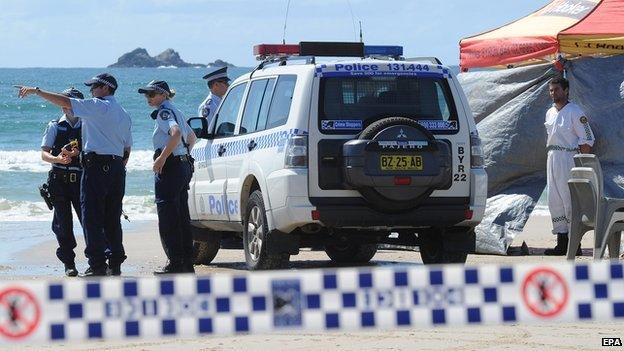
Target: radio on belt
327	49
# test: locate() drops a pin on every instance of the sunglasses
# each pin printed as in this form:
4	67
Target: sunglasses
95	86
151	94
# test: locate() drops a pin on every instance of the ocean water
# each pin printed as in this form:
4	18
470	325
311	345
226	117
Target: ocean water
24	218
22	122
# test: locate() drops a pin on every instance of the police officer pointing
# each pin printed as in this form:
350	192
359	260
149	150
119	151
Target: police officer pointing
64	179
218	83
173	140
106	133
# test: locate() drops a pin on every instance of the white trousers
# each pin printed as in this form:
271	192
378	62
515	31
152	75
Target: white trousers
558	166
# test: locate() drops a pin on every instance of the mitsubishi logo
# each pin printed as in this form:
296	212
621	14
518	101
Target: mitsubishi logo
401	134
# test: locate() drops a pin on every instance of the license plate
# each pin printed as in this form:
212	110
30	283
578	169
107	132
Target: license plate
401	163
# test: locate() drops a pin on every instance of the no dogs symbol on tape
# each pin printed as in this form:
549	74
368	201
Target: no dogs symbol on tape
19	313
545	292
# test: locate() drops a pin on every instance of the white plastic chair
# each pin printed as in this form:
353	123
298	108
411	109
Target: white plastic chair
584	197
608	220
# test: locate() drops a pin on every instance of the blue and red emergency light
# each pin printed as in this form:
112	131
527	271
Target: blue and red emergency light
328	49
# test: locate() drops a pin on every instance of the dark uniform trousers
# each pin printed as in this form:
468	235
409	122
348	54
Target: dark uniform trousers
103	186
171	190
65	188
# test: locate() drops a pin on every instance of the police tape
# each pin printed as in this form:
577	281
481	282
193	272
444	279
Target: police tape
344	299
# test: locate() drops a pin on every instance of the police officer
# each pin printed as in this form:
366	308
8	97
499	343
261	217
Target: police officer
568	132
173	140
218	83
64	179
106	134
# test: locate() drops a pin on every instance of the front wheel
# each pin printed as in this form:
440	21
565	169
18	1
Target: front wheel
255	237
351	253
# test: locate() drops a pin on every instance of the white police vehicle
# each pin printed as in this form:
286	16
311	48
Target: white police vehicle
347	154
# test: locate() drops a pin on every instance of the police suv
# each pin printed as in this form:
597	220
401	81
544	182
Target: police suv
365	148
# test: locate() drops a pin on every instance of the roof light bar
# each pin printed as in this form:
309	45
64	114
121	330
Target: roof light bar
332	49
383	50
264	50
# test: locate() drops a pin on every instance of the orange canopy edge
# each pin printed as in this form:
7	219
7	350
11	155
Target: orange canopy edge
567	27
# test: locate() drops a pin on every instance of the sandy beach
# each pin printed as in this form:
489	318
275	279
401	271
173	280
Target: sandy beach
145	253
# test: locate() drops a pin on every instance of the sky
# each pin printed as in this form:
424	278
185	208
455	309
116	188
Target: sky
94	33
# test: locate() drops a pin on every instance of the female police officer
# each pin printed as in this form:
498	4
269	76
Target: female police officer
173	140
64	179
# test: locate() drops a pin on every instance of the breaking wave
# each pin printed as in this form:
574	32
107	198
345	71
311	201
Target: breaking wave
30	161
136	207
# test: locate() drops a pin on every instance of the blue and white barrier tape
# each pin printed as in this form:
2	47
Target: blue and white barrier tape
311	300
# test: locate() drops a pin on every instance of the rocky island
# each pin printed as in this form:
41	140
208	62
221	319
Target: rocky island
139	57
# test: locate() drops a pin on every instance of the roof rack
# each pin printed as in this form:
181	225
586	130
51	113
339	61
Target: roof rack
282	59
431	59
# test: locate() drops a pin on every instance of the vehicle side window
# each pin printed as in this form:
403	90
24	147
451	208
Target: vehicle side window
281	101
228	113
266	103
252	106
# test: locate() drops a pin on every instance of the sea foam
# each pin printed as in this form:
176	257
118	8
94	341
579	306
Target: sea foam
30	161
136	207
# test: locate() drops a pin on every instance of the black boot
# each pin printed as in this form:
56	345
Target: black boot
187	266
562	247
70	269
171	267
96	271
114	268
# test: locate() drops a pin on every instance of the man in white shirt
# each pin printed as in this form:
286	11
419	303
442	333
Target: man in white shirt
568	132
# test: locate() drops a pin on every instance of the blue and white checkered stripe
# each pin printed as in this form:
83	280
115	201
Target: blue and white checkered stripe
318	300
239	145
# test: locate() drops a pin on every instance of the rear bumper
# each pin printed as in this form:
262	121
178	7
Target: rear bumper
478	196
431	214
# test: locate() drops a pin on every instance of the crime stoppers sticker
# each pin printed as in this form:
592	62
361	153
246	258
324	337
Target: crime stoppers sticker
545	292
19	313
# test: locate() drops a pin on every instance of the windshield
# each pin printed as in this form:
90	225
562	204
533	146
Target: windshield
349	104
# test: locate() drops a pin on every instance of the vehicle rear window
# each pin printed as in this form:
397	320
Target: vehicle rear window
349	104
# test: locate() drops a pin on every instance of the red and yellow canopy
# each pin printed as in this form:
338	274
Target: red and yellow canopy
568	27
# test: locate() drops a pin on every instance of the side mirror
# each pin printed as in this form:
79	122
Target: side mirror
199	126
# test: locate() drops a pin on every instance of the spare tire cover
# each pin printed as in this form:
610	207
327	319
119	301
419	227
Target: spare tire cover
396	163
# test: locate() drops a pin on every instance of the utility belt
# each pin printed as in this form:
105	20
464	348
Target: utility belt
66	176
176	159
561	148
91	158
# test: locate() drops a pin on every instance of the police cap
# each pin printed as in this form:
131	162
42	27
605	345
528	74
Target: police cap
159	86
220	73
73	93
103	78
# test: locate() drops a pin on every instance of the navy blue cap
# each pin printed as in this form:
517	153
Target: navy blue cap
73	93
103	78
159	86
217	74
